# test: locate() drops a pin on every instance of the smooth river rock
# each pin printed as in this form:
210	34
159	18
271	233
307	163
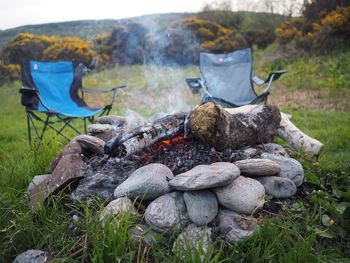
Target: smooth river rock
33	256
202	206
118	206
205	177
194	238
290	167
258	167
167	212
143	234
280	187
147	182
244	195
235	227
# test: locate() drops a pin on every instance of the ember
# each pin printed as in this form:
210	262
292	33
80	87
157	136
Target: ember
181	154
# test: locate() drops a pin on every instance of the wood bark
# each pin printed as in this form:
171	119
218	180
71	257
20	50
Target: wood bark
297	139
142	137
216	127
289	132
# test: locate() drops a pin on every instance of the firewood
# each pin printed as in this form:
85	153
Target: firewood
144	136
216	127
289	132
297	139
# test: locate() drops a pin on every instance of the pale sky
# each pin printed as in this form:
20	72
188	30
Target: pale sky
15	13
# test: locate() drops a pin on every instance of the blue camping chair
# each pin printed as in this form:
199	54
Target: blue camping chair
50	94
227	79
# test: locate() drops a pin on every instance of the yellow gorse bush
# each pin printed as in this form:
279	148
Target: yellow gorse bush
39	47
307	34
338	17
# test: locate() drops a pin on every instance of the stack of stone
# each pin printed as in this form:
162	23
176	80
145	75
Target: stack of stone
221	196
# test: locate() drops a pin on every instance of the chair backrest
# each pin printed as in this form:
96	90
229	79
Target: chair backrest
56	82
228	75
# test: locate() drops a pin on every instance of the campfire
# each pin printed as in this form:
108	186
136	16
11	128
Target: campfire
209	167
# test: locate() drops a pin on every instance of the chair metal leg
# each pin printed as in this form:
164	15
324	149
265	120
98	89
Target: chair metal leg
28	127
44	128
85	125
34	127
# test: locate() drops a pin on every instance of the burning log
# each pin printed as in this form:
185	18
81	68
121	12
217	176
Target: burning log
142	137
289	132
214	126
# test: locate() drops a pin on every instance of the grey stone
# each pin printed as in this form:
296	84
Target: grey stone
33	256
235	227
144	234
202	206
35	181
147	182
290	167
280	187
73	147
205	177
104	132
118	206
243	195
167	212
194	238
90	145
258	167
98	185
274	148
68	170
117	121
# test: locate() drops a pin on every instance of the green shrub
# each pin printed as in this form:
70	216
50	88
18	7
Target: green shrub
8	73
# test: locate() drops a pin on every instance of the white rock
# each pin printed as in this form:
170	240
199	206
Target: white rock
243	195
194	238
258	167
147	182
167	212
202	206
290	167
118	206
234	226
280	187
205	177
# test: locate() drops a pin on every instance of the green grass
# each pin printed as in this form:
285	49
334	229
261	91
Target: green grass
302	233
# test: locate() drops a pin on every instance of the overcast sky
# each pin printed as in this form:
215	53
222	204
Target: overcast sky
15	13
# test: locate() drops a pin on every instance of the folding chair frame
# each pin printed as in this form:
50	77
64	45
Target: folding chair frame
48	122
51	117
195	84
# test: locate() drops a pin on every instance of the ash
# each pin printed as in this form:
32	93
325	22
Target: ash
104	174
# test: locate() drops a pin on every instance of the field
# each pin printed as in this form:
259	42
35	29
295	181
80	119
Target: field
315	91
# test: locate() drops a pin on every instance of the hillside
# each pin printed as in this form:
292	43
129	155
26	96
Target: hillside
88	29
85	29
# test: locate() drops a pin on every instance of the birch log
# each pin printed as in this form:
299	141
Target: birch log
142	137
297	139
288	132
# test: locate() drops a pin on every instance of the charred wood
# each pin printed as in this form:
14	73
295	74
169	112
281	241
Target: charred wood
144	136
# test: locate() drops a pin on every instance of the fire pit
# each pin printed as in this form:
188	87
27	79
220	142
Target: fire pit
208	168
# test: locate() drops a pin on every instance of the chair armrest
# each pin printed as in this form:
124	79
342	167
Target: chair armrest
99	91
25	91
195	84
96	91
274	75
28	91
